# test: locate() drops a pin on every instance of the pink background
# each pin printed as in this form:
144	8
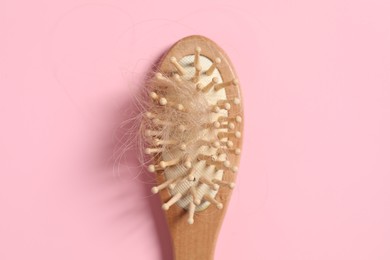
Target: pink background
314	182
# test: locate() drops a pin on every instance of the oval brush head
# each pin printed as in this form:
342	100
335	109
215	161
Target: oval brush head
193	126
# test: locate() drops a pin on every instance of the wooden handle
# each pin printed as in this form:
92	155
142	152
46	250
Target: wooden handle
189	245
196	241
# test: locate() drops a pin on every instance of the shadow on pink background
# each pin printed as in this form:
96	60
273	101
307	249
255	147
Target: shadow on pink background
315	174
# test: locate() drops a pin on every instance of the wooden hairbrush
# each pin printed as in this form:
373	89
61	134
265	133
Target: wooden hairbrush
192	129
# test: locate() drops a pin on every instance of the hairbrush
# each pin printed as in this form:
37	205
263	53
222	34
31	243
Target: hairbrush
192	129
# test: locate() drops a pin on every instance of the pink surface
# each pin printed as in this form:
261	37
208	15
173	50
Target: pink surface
315	174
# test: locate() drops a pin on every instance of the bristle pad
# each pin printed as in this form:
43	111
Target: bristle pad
189	150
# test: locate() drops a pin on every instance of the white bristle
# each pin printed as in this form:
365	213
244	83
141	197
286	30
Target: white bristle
216	62
198	70
153	95
197	57
236	134
225	106
165	142
197	202
150	115
231	185
195	199
210	199
172	162
172	201
163	101
222	85
154	190
188	164
215	124
226	164
191	213
161	79
154	168
179	68
216	144
237	119
199	86
162	186
227	144
209	86
235	101
177	78
209	183
231	126
193	192
191	176
151	168
153	150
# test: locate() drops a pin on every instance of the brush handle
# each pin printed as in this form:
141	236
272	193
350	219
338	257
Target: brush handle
197	241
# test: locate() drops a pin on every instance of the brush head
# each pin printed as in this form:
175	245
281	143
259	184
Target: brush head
193	127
